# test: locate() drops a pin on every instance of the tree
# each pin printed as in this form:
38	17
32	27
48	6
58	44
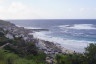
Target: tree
90	53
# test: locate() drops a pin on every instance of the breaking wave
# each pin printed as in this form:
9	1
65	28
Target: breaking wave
78	26
75	45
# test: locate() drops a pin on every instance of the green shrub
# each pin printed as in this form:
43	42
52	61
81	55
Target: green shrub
89	57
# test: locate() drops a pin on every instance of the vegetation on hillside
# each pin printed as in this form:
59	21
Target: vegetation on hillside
88	57
19	51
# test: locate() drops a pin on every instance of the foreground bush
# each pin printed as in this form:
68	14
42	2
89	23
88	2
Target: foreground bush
89	57
7	57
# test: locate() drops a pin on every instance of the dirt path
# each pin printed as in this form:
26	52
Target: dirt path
1	47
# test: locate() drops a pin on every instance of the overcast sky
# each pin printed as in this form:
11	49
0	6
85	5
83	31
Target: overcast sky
47	9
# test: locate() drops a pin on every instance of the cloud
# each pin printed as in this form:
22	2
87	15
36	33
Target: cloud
18	10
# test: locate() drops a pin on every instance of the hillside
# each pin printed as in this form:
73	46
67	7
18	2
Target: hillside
16	47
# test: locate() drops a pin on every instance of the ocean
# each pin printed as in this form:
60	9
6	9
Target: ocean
74	34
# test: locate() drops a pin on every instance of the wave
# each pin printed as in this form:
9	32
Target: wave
78	26
18	26
75	45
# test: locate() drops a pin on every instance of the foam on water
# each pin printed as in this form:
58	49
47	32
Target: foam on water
18	26
76	45
78	26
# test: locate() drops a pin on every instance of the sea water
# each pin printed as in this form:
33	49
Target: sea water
74	34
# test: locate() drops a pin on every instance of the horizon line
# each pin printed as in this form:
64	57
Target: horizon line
48	19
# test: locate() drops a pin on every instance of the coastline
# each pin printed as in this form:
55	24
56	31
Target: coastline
50	49
55	46
25	33
45	42
66	36
75	45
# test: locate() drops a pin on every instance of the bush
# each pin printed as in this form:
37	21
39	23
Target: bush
3	41
7	57
89	57
90	53
68	59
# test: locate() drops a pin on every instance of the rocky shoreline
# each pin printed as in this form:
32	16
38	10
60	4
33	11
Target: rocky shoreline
49	48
